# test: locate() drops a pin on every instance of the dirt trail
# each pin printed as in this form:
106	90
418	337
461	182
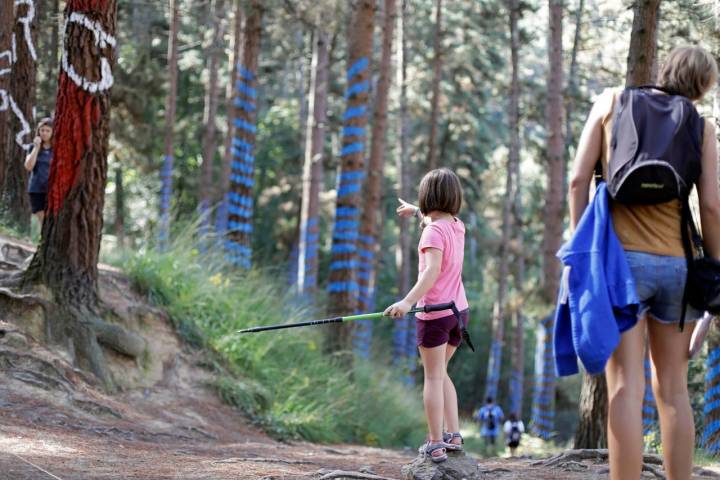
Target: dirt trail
167	423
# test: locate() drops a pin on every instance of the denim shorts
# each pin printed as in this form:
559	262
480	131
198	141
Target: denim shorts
660	283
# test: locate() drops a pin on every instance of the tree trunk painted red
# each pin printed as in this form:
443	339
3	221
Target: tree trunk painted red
14	201
313	168
437	71
66	260
242	178
343	287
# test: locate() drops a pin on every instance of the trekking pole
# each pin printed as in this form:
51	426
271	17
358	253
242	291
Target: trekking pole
348	318
366	316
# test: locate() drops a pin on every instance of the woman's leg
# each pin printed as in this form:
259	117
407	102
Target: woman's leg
626	384
433	360
452	422
669	354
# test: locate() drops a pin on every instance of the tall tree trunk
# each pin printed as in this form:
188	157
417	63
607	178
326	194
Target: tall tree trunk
572	92
518	360
555	152
543	408
170	111
212	95
243	168
119	207
437	70
370	236
641	63
343	286
221	219
403	334
66	260
499	310
7	20
15	203
592	429
313	168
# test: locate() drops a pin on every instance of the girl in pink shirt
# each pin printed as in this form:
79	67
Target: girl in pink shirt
441	252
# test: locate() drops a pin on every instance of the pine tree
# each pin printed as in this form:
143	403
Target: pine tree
343	287
437	71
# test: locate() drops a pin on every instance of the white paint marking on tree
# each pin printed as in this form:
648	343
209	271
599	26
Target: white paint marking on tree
8	102
27	23
8	54
102	40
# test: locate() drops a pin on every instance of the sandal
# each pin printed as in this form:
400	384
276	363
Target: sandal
430	447
448	438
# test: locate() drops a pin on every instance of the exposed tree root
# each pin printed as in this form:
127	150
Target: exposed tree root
266	460
352	475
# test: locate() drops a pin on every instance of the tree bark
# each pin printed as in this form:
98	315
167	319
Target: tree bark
437	71
343	287
15	204
372	205
170	111
649	406
592	425
555	152
119	207
641	64
7	20
313	167
711	433
66	260
242	180
212	96
518	358
500	307
221	221
572	93
403	329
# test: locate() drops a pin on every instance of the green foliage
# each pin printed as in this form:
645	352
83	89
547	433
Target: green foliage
281	380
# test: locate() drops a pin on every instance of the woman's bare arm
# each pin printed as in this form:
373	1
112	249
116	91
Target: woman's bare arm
709	193
32	156
587	155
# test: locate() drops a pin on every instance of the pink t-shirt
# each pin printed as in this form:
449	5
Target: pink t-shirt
448	236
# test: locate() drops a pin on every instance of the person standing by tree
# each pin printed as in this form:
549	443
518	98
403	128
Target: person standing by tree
38	163
651	237
490	418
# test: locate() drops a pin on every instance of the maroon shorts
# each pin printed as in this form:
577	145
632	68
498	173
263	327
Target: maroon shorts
433	333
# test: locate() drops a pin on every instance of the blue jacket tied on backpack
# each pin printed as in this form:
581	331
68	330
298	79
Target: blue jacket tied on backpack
597	299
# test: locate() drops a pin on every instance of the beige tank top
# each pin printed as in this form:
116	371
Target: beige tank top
643	228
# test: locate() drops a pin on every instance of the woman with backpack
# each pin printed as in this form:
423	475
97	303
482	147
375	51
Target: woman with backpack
513	429
651	235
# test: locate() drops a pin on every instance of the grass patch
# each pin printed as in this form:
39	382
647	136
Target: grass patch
281	380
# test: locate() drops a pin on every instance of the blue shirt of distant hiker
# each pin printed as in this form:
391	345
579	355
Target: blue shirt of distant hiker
490	418
41	172
597	300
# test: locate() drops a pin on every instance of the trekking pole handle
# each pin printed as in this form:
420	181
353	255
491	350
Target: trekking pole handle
438	307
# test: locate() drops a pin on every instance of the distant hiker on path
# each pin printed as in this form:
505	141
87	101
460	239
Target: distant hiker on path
513	429
490	417
38	163
441	253
661	128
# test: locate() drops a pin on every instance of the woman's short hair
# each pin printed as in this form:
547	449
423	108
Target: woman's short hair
690	71
45	122
440	191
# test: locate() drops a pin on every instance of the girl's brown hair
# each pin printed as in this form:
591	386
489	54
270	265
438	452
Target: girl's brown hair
690	71
440	191
45	122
